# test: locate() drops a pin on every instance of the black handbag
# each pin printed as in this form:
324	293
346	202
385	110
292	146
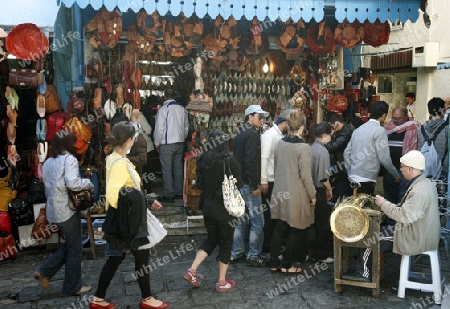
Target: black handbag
36	192
20	212
81	200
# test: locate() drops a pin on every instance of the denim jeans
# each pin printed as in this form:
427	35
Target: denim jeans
394	191
171	157
255	218
68	254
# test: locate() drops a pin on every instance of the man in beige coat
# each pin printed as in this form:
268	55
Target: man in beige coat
417	226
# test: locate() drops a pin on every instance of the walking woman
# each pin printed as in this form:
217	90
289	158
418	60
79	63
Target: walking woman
60	173
294	213
321	135
121	174
210	172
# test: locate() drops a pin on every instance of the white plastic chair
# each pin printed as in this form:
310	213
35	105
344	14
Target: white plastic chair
435	285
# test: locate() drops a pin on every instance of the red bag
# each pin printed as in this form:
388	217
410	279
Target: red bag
5	222
8	250
55	123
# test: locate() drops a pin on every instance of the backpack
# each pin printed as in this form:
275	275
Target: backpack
433	163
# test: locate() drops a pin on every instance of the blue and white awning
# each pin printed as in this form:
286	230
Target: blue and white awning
274	9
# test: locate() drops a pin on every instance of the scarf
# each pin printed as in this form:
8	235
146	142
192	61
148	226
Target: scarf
410	142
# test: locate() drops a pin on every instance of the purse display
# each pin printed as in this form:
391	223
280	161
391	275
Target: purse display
23	78
232	198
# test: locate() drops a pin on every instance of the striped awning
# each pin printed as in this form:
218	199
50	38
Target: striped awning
273	9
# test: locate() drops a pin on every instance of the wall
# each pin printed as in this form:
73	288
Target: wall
397	98
430	82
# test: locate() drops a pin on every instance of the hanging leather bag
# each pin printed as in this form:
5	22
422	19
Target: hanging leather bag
23	78
20	212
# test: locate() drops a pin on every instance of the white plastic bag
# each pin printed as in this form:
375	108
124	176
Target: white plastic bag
156	231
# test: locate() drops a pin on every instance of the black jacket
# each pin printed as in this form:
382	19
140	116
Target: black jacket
338	144
126	227
247	152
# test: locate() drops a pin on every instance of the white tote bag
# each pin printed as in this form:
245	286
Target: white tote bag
156	231
232	198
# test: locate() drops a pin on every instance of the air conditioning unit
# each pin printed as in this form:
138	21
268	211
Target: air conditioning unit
425	55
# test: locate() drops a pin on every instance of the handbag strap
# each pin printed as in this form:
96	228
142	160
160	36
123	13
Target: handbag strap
130	171
229	169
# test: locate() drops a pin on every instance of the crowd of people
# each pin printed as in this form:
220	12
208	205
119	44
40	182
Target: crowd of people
289	181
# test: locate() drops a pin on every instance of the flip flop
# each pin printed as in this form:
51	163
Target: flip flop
291	271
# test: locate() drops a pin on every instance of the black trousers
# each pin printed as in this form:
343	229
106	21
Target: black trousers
322	214
364	187
296	244
141	268
269	224
219	228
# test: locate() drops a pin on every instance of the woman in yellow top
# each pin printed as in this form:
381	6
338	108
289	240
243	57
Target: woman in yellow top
118	175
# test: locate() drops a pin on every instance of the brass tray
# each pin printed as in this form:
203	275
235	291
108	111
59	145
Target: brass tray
349	223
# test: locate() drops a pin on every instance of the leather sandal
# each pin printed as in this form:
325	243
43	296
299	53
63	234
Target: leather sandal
120	95
40	105
291	271
98	94
42	150
11	132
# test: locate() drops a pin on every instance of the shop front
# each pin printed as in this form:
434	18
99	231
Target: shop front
110	56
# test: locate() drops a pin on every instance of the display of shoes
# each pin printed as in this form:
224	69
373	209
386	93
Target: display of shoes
192	278
222	288
43	281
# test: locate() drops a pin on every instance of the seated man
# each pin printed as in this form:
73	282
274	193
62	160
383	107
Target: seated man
417	215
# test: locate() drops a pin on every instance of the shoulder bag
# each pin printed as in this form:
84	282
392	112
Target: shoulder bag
80	200
232	199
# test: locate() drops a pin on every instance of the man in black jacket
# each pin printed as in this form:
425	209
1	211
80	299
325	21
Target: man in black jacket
336	147
247	151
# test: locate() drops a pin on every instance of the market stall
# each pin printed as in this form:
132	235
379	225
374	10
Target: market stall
112	56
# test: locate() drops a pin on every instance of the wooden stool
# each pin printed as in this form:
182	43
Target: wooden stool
90	228
372	241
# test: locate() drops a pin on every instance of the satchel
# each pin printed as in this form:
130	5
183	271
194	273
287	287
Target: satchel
156	231
36	192
8	250
23	78
81	200
41	228
232	199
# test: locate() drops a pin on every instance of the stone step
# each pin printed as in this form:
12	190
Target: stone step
174	219
183	231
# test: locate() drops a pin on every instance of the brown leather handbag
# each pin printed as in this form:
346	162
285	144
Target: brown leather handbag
81	200
41	228
23	78
52	101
